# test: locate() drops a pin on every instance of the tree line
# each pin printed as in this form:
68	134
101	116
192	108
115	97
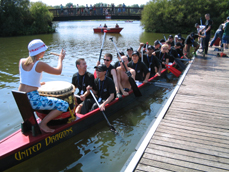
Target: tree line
180	16
20	17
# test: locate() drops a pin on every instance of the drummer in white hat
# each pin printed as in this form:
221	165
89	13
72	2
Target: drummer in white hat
30	70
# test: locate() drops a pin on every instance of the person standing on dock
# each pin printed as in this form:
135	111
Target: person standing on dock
226	34
207	32
30	70
81	80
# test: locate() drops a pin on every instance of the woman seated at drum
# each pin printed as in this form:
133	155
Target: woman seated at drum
30	70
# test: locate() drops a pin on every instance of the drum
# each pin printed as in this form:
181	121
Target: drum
61	90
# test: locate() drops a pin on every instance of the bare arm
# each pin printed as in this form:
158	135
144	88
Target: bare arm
147	77
41	66
108	100
113	73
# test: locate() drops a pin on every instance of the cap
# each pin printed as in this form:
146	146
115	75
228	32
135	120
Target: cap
178	44
170	36
196	24
151	47
121	53
135	53
227	18
179	38
101	68
36	46
162	40
156	42
129	48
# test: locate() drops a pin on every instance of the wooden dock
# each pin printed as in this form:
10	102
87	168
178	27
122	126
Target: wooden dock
194	133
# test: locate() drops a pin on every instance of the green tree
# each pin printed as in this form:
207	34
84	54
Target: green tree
174	16
41	17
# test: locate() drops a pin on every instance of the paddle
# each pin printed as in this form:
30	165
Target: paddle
132	82
112	127
101	50
173	70
180	64
164	38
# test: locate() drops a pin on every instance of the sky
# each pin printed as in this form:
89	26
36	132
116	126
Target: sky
116	2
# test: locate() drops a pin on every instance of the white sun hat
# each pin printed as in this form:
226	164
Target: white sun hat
36	46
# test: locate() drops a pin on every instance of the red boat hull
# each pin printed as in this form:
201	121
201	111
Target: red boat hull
109	30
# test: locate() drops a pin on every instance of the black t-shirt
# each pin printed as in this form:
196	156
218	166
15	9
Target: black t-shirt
207	24
173	54
105	88
129	58
162	57
190	40
82	81
151	62
140	69
179	52
108	73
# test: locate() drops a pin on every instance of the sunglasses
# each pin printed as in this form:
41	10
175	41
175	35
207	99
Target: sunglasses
106	60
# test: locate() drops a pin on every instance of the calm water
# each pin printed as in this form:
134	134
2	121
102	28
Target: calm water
97	148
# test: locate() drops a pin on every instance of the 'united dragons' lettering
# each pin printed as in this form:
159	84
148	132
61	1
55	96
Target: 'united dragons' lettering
59	136
49	140
23	154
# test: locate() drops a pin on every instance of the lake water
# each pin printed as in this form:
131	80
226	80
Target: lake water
96	149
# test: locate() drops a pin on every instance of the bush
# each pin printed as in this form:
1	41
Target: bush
179	16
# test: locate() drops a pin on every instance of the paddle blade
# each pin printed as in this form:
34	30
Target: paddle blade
180	64
173	70
135	88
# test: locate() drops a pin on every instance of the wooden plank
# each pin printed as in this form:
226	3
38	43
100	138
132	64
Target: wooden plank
147	159
196	129
146	167
195	124
186	158
188	166
189	153
189	147
195	135
221	139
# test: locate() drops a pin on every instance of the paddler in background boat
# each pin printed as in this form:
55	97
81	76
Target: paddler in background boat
162	55
110	72
150	60
30	70
81	80
123	81
104	90
142	72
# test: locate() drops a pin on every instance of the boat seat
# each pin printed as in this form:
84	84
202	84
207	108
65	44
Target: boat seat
27	113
